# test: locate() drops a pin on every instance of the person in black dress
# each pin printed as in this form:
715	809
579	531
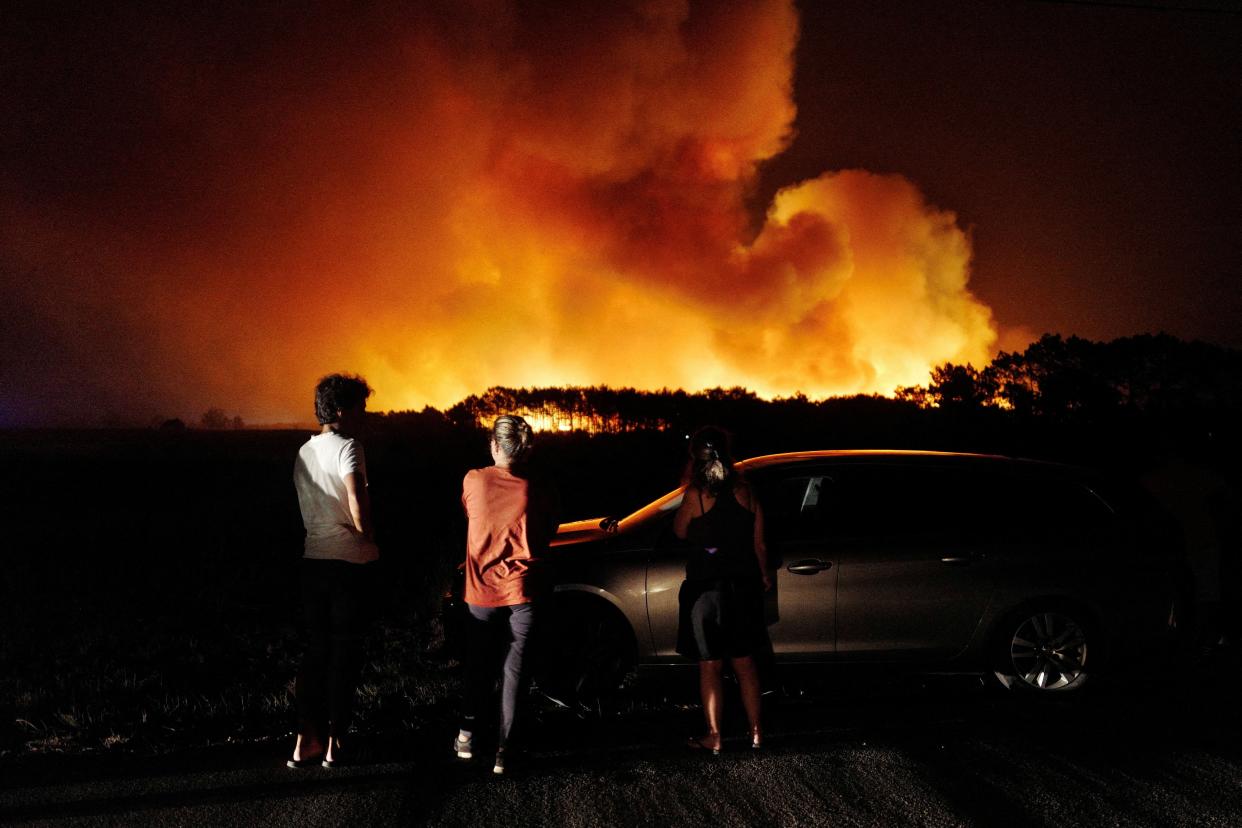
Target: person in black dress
721	600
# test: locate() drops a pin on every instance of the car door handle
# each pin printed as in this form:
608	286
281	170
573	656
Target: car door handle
809	566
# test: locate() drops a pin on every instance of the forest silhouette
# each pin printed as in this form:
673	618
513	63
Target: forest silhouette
1060	378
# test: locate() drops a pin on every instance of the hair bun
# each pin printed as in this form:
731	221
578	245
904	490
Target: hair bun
513	434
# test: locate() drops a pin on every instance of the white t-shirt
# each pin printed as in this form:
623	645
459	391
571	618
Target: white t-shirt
319	476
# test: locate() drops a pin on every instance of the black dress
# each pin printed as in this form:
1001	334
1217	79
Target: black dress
721	600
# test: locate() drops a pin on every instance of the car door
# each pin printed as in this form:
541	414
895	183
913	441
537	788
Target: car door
666	569
801	607
914	574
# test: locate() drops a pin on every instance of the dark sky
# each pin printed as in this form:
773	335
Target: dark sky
1093	149
214	204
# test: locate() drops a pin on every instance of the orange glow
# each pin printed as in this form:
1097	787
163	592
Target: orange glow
492	200
557	420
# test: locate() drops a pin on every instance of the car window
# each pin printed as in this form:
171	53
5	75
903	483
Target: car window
1055	511
791	505
898	504
1139	521
944	505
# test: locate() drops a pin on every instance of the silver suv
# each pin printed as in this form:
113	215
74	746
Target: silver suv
1035	573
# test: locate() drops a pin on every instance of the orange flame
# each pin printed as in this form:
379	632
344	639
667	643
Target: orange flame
486	195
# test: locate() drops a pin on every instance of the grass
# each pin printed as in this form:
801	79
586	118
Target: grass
147	595
148	598
170	689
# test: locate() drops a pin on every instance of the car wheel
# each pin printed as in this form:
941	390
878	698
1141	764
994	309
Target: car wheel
588	653
1046	650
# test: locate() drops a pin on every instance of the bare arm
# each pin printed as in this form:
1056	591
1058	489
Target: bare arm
761	547
359	504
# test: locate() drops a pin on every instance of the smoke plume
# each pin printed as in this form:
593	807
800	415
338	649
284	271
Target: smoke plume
214	210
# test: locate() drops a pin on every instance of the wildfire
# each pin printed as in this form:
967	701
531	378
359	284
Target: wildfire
480	194
561	421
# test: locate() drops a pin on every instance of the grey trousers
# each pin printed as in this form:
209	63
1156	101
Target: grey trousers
496	634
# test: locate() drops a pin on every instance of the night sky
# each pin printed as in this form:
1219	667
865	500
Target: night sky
1093	149
212	206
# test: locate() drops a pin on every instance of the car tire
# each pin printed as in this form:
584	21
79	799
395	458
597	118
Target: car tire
587	653
1046	650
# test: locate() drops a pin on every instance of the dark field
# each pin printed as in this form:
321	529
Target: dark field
148	597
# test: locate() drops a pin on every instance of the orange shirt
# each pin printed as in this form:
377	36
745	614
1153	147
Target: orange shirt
509	528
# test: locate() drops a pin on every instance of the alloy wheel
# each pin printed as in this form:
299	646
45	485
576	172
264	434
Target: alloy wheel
1049	651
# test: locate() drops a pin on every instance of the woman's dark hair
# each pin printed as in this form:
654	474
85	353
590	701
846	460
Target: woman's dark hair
339	392
709	445
514	436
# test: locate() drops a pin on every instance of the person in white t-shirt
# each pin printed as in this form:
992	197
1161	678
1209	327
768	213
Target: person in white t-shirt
330	476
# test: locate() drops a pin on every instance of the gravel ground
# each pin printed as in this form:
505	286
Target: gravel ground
886	756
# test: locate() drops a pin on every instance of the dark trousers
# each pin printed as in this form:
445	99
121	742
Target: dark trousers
496	634
336	597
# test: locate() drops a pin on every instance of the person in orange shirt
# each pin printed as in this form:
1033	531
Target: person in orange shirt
511	521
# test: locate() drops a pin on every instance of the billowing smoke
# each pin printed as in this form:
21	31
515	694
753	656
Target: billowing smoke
447	198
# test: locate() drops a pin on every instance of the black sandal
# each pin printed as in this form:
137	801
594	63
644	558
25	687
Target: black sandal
303	764
699	743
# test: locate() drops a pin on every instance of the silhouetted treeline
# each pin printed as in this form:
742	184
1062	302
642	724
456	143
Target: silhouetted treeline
1055	377
1118	403
603	410
595	409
